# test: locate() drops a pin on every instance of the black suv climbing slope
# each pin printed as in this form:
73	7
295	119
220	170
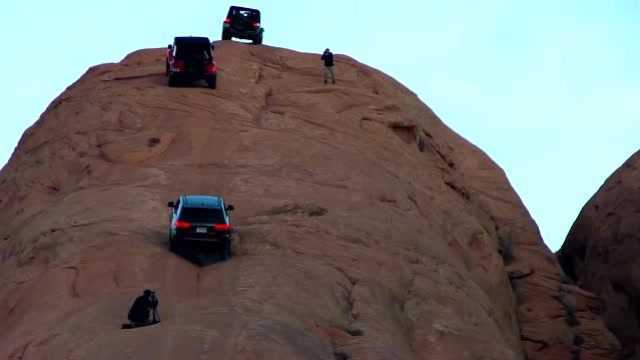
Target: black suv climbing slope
190	59
200	219
242	23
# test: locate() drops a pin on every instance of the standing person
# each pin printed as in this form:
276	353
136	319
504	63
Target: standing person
327	57
143	307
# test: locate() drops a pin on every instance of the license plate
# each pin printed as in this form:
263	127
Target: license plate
201	230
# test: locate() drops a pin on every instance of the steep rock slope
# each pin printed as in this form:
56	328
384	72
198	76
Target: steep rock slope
366	228
601	252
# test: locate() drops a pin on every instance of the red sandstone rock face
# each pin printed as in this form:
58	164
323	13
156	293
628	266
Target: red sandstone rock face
601	252
366	228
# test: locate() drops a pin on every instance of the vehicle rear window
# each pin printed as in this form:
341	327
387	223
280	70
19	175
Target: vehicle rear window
202	215
184	51
247	14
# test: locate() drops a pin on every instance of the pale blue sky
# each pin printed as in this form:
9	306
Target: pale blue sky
549	89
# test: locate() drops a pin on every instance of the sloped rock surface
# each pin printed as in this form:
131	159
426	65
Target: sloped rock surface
601	253
366	228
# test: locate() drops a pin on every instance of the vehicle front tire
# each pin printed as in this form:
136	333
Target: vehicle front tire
212	81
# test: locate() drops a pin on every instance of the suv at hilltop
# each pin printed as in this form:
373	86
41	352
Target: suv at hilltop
190	59
200	219
242	23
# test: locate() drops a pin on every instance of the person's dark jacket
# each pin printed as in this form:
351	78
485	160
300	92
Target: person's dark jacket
327	56
141	309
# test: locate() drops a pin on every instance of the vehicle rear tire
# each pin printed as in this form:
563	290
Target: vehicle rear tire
226	35
173	246
212	81
225	250
173	82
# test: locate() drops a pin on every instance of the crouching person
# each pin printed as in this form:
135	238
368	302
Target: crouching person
144	310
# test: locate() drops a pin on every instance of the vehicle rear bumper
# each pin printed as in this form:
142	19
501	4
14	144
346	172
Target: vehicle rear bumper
243	34
204	240
191	76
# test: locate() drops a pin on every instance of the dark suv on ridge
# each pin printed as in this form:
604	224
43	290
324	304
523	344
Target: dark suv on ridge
190	59
243	23
200	219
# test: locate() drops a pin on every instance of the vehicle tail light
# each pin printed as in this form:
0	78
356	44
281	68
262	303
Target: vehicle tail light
183	224
222	227
227	21
178	65
256	25
210	68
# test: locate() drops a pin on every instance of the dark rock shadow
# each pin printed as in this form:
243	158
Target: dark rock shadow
201	254
197	84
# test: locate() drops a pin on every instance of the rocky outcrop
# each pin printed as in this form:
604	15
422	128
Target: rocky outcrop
601	253
366	228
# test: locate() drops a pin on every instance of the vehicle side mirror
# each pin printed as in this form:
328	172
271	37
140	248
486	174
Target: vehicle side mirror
171	204
230	207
